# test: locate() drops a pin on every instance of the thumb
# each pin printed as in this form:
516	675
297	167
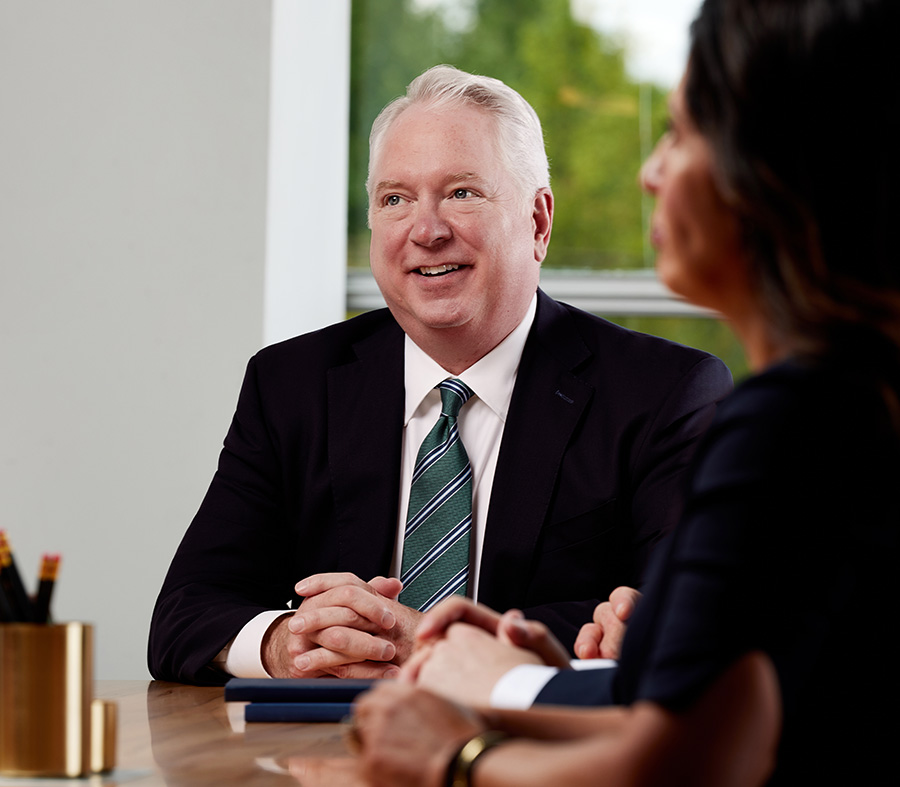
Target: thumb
389	587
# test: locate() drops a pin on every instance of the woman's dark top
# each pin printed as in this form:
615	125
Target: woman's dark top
788	545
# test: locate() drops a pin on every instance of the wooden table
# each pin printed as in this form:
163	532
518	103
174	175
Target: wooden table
171	734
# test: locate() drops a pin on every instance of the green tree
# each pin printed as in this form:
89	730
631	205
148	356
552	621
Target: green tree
390	45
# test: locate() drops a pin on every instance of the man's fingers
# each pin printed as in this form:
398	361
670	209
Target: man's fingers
319	583
389	587
320	661
308	620
360	600
453	610
343	646
366	670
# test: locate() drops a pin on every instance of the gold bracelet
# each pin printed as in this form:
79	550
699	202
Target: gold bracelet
460	771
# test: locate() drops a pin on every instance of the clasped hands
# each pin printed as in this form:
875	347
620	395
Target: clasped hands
349	628
344	628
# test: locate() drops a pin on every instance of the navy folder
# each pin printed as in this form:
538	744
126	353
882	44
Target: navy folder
295	689
295	699
297	711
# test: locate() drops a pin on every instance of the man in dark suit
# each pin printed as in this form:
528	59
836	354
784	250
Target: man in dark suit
577	431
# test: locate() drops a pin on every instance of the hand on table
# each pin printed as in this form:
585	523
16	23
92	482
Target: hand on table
602	639
344	627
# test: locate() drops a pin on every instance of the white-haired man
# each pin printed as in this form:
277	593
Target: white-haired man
574	431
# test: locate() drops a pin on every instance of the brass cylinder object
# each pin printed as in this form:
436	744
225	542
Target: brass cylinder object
104	720
46	690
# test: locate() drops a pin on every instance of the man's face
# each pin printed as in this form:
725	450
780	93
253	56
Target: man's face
456	249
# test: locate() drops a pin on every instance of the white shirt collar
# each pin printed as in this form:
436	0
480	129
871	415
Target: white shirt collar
492	378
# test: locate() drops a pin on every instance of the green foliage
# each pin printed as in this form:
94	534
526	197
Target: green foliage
572	75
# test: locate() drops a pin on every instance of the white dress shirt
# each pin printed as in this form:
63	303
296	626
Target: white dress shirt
481	423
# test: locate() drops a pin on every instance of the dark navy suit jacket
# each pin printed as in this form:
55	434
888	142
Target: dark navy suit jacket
600	429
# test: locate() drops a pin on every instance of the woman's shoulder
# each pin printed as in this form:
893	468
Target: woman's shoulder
799	421
798	393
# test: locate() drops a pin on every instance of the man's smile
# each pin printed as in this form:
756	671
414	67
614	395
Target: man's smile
437	270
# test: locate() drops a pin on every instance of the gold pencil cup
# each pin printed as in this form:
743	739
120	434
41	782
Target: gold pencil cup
46	689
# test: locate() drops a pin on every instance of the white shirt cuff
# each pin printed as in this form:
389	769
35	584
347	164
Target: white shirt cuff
580	664
244	659
519	688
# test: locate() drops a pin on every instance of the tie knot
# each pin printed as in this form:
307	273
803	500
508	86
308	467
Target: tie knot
454	394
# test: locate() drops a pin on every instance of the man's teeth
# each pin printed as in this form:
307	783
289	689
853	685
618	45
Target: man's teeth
437	270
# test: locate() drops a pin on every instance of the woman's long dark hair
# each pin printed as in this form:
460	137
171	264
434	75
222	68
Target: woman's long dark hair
798	99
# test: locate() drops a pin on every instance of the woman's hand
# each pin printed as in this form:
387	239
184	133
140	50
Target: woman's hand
464	648
408	736
602	638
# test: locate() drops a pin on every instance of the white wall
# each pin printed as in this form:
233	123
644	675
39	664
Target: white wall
139	235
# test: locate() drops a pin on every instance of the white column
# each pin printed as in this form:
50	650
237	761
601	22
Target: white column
306	229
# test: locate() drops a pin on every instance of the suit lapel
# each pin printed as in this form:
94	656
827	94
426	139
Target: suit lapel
547	403
365	428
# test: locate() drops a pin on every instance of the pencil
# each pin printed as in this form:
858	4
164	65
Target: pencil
6	611
12	583
49	569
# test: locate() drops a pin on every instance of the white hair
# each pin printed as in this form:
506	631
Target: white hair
520	140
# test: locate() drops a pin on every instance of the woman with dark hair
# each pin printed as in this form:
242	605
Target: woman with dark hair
760	650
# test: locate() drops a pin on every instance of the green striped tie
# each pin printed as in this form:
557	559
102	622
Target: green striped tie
439	518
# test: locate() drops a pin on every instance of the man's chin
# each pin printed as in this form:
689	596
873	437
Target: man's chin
432	314
442	323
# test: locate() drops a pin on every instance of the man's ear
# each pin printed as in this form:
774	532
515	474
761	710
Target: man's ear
542	218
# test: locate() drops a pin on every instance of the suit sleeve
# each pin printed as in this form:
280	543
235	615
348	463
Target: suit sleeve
586	688
650	501
226	570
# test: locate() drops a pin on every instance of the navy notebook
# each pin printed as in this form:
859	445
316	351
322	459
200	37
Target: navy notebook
295	690
297	711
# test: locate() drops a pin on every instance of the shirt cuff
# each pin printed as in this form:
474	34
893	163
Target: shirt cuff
519	688
580	664
244	659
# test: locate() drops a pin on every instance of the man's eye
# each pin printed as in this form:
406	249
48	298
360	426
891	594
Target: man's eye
461	193
392	200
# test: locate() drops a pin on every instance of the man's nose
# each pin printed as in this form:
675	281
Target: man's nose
430	228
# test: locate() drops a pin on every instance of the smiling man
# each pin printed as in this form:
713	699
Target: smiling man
475	438
457	242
